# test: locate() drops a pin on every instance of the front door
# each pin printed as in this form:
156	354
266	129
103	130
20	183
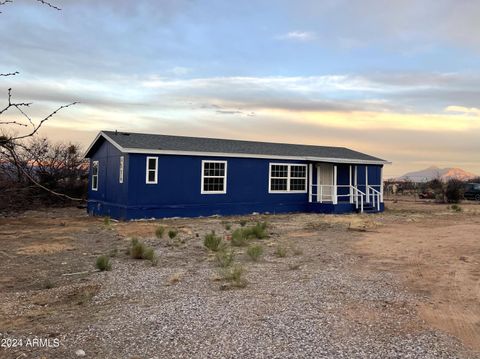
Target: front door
325	182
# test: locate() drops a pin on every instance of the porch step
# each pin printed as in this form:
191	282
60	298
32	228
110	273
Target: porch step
368	208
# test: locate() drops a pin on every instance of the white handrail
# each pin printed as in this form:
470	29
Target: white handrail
358	194
359	197
377	194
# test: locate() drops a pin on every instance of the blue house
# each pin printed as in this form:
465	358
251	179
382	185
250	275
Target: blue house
135	175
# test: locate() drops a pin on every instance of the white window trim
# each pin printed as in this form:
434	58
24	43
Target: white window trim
287	178
121	169
147	170
97	163
202	191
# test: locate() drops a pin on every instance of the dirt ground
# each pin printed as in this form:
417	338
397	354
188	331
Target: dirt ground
50	289
436	251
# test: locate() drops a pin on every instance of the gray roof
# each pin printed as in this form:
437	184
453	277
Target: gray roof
133	142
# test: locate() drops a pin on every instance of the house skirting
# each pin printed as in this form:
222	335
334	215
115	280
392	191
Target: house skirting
123	212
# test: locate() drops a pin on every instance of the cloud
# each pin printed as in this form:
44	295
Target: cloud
180	71
472	111
302	36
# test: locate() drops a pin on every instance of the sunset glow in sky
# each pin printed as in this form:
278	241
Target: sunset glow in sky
399	79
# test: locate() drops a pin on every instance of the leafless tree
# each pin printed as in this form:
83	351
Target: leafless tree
14	132
40	164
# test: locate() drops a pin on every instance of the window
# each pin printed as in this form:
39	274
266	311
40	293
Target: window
286	178
120	175
95	176
278	177
152	170
214	177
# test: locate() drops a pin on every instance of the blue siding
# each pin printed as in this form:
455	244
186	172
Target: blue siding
178	191
111	198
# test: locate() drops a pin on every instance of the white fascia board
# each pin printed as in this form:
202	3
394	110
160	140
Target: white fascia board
108	138
246	155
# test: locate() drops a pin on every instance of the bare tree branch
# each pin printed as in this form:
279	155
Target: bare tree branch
10	74
49	4
34	126
3	2
10	143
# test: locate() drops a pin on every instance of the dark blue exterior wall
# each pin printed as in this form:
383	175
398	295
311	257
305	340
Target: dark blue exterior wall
178	191
111	198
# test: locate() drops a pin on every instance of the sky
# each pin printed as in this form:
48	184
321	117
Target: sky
399	80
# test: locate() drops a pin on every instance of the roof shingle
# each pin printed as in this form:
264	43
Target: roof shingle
142	141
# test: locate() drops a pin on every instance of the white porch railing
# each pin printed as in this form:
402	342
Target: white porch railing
376	196
357	193
330	194
373	195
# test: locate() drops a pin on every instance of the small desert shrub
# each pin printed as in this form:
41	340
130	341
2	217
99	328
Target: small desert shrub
454	191
281	251
234	274
259	230
107	221
239	237
228	226
149	254
456	208
243	222
103	263
255	251
172	233
138	250
212	241
225	258
159	232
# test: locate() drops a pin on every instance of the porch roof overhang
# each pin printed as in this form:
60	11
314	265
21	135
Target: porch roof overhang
369	160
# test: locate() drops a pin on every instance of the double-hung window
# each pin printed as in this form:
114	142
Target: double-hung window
95	175
287	178
120	174
214	177
152	170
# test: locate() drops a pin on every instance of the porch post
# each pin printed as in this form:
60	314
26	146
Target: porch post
310	183
355	178
335	198
350	189
367	191
381	184
319	186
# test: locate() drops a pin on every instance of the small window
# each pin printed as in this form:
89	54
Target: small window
95	176
120	175
152	170
214	177
286	178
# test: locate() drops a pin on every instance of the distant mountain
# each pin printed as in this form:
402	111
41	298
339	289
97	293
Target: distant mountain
434	172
